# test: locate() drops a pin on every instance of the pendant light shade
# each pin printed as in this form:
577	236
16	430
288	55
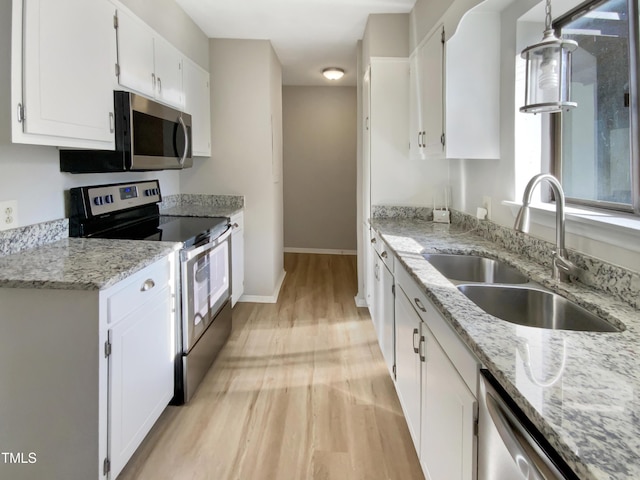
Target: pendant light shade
548	72
333	73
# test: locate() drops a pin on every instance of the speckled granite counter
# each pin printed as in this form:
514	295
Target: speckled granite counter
80	264
579	388
194	205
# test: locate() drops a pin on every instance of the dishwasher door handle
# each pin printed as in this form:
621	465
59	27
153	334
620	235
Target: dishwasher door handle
524	458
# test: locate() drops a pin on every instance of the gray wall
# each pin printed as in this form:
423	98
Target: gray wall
246	154
319	125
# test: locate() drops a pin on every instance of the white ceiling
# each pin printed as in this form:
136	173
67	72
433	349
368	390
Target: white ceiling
307	35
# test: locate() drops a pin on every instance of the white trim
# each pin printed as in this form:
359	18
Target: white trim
265	298
360	301
607	227
320	251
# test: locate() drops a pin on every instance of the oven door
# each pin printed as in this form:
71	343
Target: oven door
206	286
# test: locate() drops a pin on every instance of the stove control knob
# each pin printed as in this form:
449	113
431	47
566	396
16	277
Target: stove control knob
108	199
147	192
97	201
156	191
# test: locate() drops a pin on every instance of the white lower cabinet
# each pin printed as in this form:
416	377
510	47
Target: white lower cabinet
237	257
435	379
141	373
447	440
381	306
408	368
88	373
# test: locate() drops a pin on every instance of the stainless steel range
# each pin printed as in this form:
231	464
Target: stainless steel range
130	211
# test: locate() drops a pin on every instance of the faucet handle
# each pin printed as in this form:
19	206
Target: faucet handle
566	268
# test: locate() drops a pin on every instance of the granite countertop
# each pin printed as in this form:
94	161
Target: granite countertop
79	263
578	388
201	210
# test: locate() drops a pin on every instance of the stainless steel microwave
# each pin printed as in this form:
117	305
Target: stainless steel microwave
148	136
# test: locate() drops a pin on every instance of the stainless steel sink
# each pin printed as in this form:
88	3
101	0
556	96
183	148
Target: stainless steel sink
534	308
471	268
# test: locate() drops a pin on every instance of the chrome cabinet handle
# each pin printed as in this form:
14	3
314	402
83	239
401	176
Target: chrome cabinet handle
419	304
373	240
159	86
20	113
384	254
153	80
112	127
235	225
186	141
366	122
419	140
415	332
147	285
422	349
376	271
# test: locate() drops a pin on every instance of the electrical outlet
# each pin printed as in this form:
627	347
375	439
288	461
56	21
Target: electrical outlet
486	204
8	214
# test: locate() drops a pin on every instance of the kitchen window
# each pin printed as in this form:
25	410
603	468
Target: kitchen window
597	142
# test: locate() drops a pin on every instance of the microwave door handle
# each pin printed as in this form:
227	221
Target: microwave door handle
186	142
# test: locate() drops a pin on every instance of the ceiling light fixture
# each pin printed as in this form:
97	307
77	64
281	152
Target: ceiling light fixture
333	73
548	72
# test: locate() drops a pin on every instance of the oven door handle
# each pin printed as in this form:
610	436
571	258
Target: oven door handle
190	254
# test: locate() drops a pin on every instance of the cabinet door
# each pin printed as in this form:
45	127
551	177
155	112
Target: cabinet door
237	258
447	449
135	54
168	70
141	373
416	148
408	377
366	148
387	314
197	104
67	83
431	59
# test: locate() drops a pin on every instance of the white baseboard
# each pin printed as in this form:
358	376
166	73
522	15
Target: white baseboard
265	298
360	301
321	251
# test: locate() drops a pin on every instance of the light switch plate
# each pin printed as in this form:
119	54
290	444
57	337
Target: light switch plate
8	214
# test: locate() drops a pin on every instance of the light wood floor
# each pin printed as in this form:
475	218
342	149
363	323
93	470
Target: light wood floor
300	391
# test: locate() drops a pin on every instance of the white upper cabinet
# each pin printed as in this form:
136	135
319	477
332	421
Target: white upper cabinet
455	89
196	104
473	87
427	97
168	69
147	63
135	54
61	87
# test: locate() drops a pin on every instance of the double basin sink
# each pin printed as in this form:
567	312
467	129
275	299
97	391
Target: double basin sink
500	290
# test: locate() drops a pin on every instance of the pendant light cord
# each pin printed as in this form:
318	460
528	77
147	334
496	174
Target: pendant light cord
547	20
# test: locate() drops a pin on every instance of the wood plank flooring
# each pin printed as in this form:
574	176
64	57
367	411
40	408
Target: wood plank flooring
300	391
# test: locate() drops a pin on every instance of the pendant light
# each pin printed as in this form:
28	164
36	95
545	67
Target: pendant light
548	72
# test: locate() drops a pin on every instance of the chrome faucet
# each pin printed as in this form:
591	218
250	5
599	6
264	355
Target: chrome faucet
562	266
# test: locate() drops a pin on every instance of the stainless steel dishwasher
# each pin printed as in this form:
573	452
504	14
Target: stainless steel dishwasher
509	447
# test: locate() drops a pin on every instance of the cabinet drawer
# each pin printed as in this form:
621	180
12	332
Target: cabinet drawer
464	361
383	250
137	289
237	221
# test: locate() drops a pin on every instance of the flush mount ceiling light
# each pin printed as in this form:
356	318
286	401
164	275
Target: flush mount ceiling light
333	73
548	72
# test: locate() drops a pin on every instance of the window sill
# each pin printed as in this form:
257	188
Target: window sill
607	227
